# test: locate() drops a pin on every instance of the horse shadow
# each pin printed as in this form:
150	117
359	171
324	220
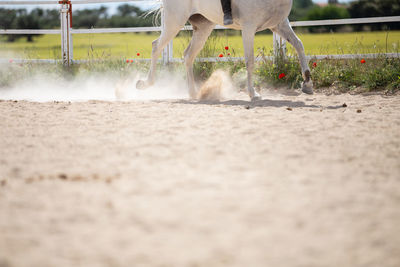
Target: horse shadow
260	104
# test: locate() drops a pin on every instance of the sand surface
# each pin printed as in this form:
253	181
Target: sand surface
287	181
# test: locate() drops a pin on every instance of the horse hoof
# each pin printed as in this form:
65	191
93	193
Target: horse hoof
307	88
193	95
141	85
256	97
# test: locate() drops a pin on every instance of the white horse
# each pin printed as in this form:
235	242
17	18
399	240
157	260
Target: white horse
250	16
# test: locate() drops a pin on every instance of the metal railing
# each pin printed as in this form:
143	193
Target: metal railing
66	31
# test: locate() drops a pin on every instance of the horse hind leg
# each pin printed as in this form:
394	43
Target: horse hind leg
285	31
202	29
248	34
172	28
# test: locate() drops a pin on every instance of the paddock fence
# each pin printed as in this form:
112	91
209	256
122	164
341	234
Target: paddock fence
66	31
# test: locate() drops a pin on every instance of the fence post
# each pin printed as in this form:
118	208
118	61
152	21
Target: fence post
168	52
66	37
279	47
170	48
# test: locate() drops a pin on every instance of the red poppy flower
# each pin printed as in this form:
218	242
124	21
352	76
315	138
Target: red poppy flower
131	60
138	54
282	75
226	47
363	61
221	55
127	61
314	64
229	54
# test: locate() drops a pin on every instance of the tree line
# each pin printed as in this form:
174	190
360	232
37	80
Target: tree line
307	10
132	16
126	16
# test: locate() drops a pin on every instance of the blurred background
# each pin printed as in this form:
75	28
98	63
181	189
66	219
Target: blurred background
368	38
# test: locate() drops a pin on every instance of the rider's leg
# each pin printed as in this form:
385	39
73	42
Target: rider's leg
226	7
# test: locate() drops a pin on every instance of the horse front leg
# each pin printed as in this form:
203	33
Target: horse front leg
285	31
166	36
155	54
248	44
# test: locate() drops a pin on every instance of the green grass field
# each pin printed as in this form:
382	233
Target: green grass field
122	46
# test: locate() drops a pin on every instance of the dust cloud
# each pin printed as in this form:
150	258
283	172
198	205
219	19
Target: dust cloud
108	87
218	87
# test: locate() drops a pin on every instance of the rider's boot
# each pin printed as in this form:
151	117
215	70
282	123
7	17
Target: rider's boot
226	7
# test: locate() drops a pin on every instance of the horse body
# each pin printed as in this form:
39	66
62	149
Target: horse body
260	13
249	16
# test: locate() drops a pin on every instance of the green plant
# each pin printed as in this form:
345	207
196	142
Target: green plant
283	71
377	74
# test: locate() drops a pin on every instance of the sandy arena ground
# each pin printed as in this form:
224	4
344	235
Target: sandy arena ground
288	181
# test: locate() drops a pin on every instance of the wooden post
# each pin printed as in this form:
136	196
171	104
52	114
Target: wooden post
279	47
66	37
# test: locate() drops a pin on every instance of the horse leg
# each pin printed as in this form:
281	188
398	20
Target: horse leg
171	29
202	29
248	44
285	31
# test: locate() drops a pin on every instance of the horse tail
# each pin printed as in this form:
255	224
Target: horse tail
155	13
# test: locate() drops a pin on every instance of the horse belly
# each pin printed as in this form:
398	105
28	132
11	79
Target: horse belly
210	9
261	13
275	13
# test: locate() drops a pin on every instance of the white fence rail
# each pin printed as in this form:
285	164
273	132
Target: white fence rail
66	31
